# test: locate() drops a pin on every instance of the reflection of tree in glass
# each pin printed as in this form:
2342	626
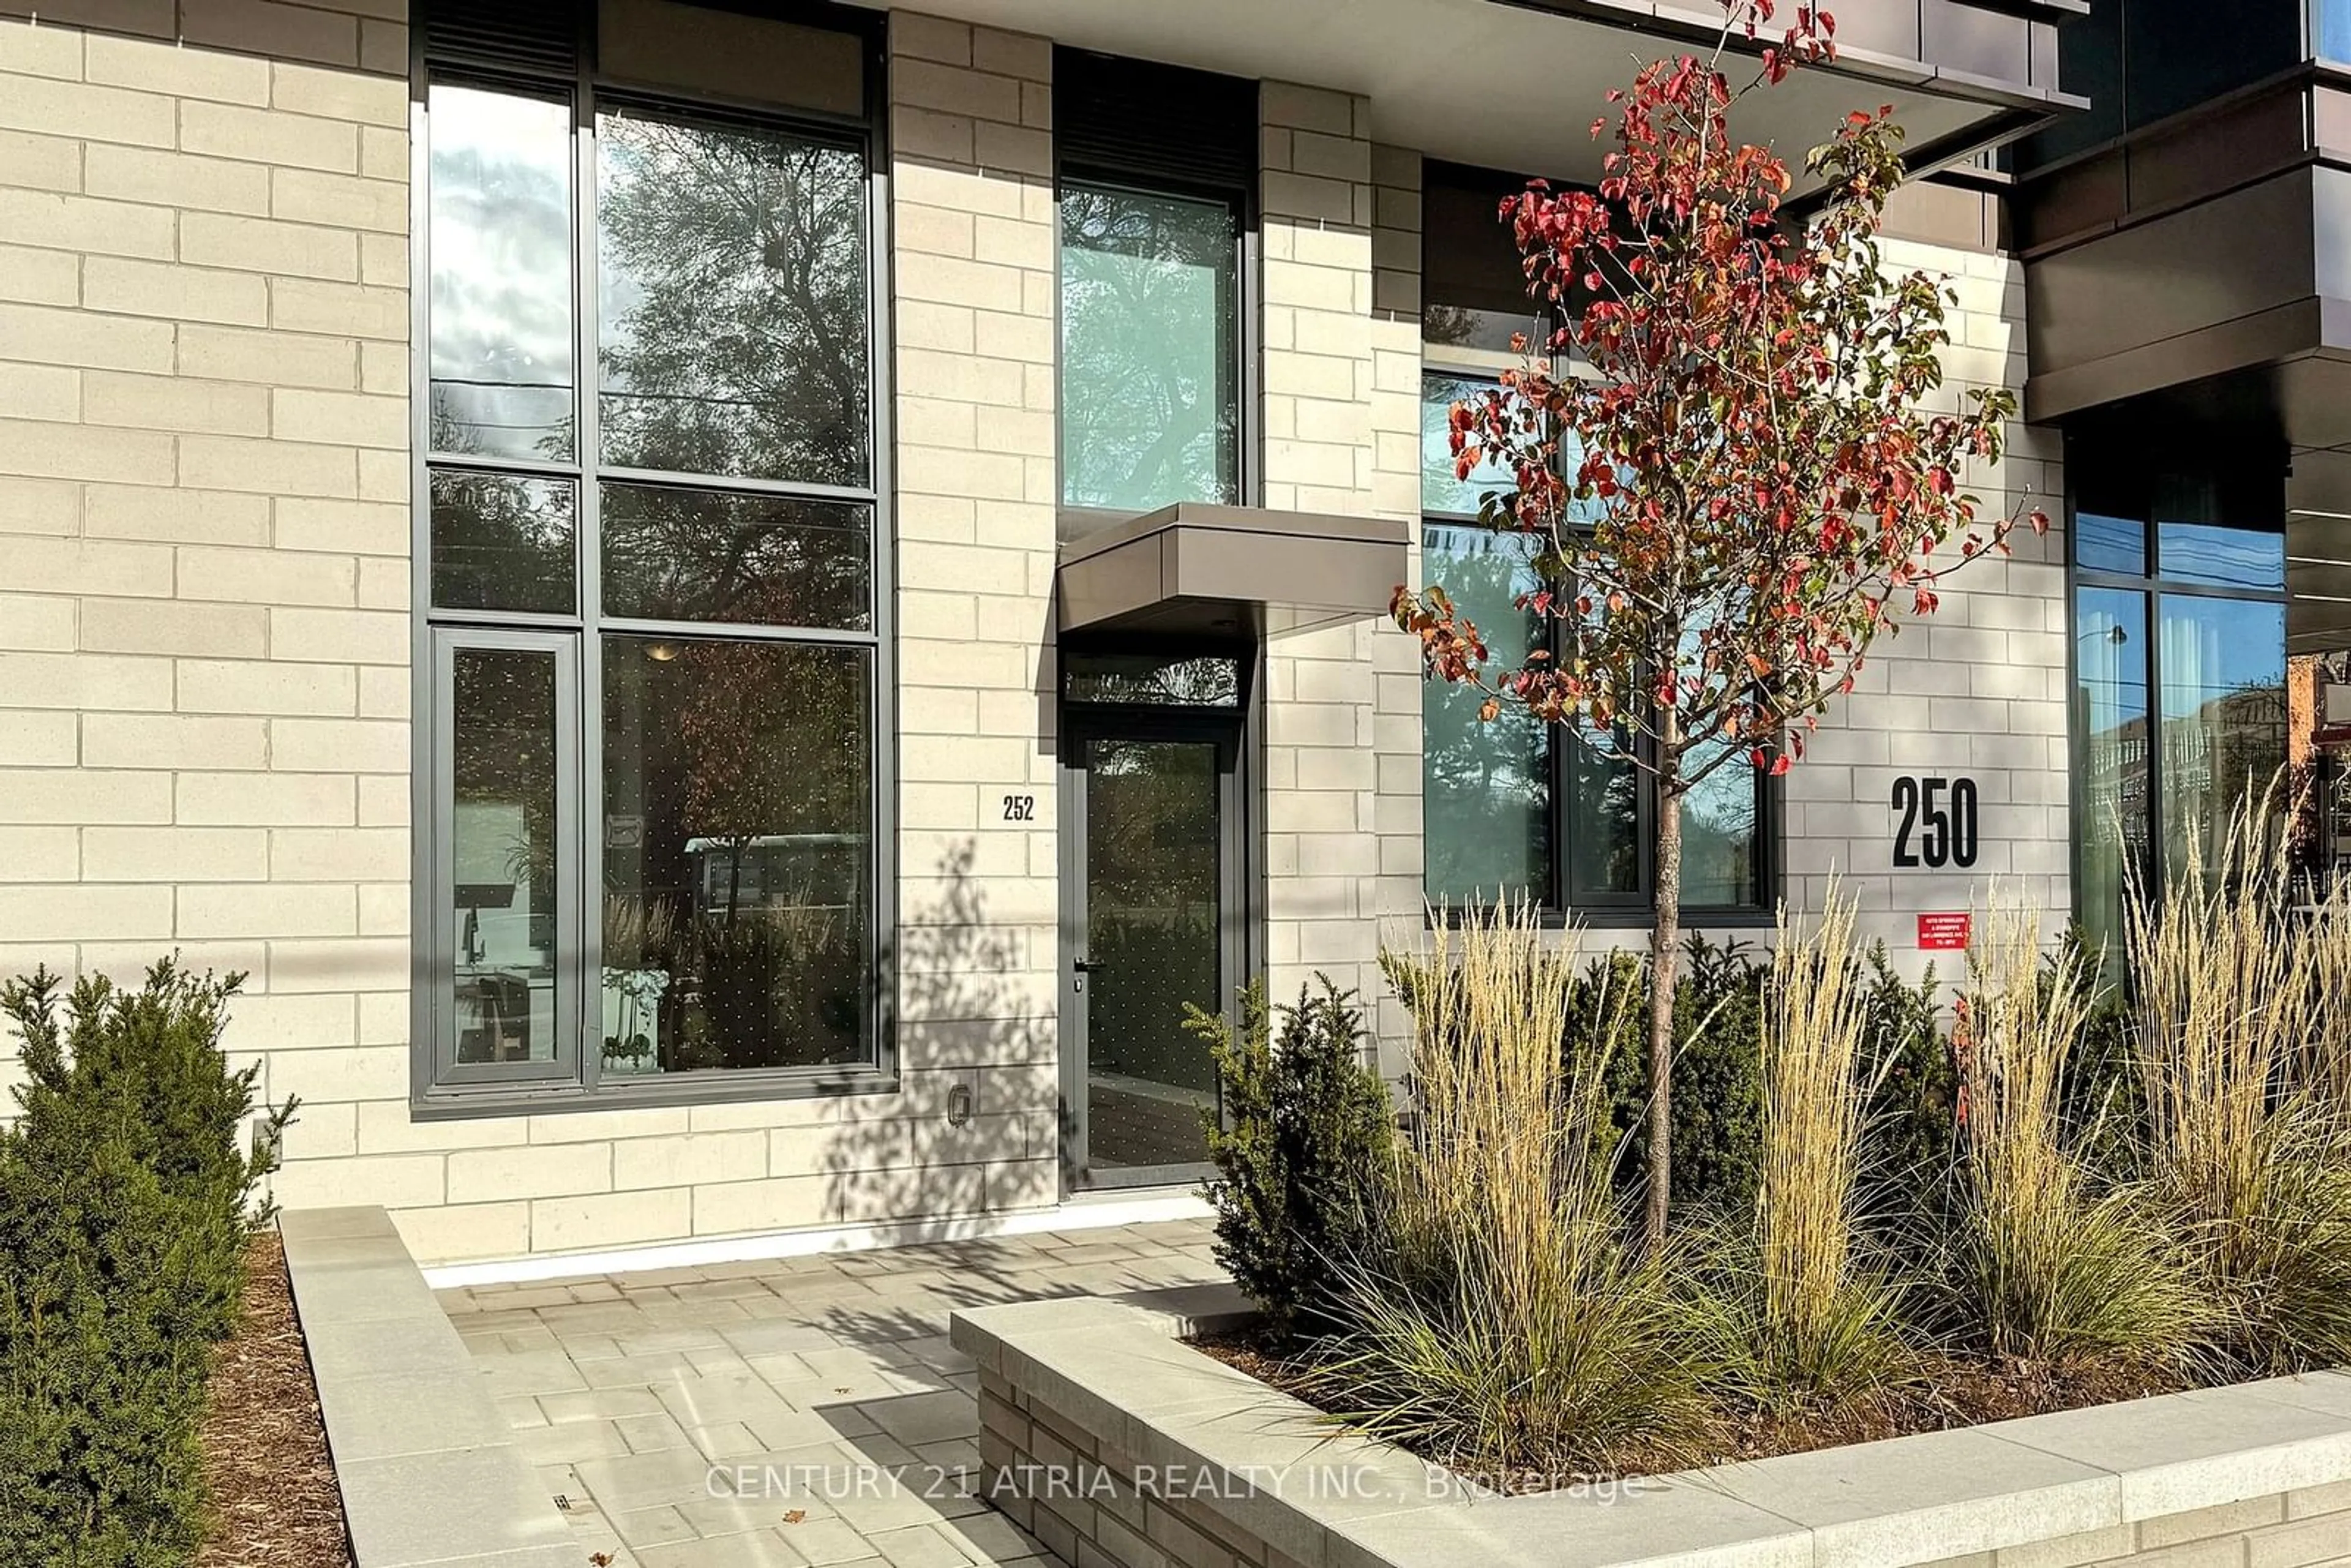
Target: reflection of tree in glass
502	542
1153	680
1486	780
691	555
1150	906
503	745
2229	749
1451	325
772	739
1148	416
1607	830
733	302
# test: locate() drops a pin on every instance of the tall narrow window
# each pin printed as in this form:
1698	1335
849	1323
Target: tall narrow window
2179	711
501	884
1156	166
1149	349
500	219
654	572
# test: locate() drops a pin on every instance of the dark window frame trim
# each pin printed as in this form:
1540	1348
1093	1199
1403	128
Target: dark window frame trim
432	1095
563	647
1242	938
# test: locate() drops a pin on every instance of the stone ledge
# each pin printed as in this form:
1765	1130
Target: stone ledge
1238	1472
428	1469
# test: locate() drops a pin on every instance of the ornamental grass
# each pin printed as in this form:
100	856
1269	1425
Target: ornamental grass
2092	1191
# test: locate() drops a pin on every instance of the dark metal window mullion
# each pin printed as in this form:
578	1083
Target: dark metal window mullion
882	747
424	1011
735	631
588	982
2151	615
736	484
529	467
1557	739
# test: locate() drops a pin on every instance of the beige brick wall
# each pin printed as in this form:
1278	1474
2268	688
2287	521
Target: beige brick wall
1976	690
978	907
1398	896
204	523
1334	433
204	527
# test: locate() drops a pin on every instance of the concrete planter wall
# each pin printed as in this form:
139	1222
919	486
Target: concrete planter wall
1116	1443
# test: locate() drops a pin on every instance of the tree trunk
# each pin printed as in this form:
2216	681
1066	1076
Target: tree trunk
1664	940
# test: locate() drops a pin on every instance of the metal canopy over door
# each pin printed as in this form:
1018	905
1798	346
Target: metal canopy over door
1155	906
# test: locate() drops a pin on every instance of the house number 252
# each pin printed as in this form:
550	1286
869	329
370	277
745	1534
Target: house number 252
1020	808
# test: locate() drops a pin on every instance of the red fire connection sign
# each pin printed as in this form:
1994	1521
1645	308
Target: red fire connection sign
1945	933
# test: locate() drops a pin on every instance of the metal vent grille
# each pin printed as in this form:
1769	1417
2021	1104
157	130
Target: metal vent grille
1134	117
513	34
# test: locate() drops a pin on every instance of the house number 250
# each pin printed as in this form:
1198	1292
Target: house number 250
1020	808
1945	832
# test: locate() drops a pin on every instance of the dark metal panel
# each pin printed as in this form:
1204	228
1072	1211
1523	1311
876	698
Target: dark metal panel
1958	36
2081	200
1947	214
1142	118
727	54
536	34
2214	359
2243	140
2228	258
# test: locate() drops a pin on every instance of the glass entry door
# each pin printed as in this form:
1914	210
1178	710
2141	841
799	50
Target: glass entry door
1154	923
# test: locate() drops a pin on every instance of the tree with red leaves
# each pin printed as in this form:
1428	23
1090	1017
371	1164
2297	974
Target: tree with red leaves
1734	462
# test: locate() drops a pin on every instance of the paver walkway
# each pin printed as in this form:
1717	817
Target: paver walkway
789	1411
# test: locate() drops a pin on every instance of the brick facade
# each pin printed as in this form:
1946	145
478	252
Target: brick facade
1096	1495
1977	690
1320	411
205	517
205	535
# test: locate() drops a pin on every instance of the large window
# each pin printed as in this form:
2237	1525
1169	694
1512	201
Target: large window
1514	807
2179	662
654	649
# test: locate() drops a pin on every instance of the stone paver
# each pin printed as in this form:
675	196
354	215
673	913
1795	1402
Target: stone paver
799	1411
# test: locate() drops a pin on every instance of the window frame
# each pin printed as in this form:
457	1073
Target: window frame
440	924
437	1090
1566	904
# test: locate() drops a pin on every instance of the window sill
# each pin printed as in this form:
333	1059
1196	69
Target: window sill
452	1105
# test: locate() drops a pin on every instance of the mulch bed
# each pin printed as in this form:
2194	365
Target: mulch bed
1948	1392
275	1504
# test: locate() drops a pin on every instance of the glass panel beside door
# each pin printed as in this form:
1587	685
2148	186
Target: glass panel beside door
1154	918
1152	940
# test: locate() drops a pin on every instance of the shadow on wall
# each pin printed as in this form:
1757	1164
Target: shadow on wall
974	1127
